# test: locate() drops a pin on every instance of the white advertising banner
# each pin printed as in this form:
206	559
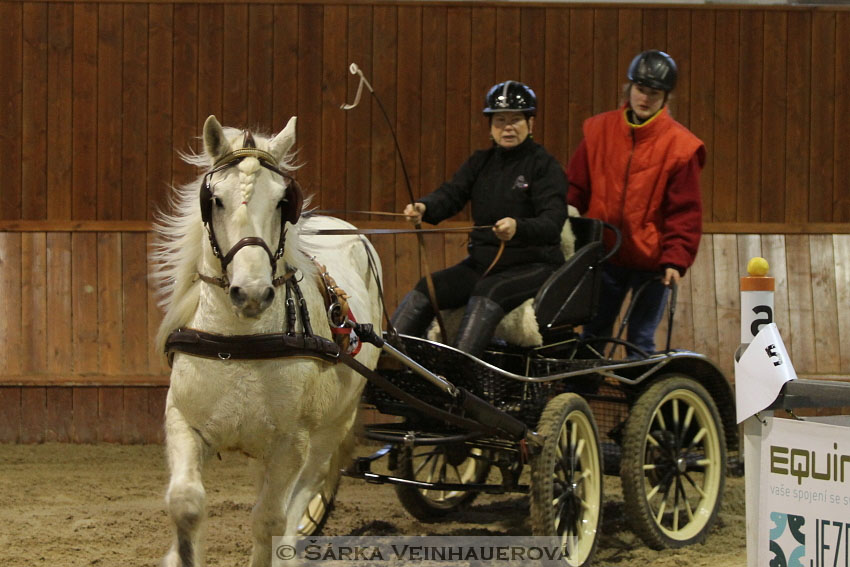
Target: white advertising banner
804	499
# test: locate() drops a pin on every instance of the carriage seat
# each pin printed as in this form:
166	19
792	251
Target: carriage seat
568	298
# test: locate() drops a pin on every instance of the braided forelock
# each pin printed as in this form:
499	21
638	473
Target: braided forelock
248	170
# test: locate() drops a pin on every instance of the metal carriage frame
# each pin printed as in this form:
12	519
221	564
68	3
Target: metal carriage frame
663	422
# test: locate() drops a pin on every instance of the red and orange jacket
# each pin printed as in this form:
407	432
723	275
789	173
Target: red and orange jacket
645	181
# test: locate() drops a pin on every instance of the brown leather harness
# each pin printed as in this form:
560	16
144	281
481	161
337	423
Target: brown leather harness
290	212
269	345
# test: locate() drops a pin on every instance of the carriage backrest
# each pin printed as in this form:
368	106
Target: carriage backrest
570	296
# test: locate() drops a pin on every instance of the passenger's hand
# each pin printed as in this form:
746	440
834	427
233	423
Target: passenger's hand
671	275
414	211
505	228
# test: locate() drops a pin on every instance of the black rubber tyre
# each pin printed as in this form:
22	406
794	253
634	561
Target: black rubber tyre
673	466
566	479
456	464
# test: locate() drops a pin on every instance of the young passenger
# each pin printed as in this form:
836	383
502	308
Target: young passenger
638	169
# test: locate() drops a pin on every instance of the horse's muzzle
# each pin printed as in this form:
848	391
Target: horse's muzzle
251	303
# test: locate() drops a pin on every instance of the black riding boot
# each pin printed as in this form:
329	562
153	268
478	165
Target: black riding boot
480	320
413	314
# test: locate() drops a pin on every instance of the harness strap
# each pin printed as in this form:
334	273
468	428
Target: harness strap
346	231
249	347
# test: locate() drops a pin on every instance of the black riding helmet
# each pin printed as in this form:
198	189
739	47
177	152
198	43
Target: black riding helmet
654	69
511	96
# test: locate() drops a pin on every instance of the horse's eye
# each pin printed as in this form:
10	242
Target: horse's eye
218	202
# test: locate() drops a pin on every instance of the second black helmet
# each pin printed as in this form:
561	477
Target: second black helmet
511	96
654	69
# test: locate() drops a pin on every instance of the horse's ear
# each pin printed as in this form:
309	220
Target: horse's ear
215	143
283	142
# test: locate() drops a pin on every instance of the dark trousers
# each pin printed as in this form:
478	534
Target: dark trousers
508	287
617	281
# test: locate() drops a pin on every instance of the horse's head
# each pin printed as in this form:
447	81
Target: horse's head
246	200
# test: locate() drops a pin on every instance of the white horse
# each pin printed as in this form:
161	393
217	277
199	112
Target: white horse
295	416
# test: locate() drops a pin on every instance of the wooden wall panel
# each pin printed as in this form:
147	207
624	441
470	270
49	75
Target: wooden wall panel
358	173
110	38
840	193
34	110
725	148
99	97
459	92
10	414
703	93
187	123
84	93
84	302
235	46
606	83
557	83
825	304
333	120
483	76
211	20
798	113
59	414
774	99
679	34
161	82
750	96
841	245
309	92
34	303
59	110
127	72
59	343
802	328
10	302
11	45
823	116
581	65
260	75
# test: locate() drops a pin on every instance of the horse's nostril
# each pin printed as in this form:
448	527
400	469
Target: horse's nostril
269	295
238	296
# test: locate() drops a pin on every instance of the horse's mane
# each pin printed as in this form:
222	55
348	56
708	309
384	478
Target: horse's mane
180	240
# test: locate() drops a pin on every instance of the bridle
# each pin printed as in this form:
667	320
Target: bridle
290	212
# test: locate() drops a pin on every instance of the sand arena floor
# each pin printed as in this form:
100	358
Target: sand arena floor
80	505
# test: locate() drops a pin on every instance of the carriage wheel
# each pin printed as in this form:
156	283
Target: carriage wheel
317	513
673	466
566	479
455	464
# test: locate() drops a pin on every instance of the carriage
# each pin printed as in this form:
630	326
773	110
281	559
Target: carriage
251	372
566	408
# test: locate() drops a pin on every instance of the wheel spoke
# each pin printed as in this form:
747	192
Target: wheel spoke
687	501
580	449
689	415
677	484
676	425
429	458
697	487
661	509
659	417
695	441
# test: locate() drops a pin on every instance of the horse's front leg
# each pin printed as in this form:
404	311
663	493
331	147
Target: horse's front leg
186	497
278	474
